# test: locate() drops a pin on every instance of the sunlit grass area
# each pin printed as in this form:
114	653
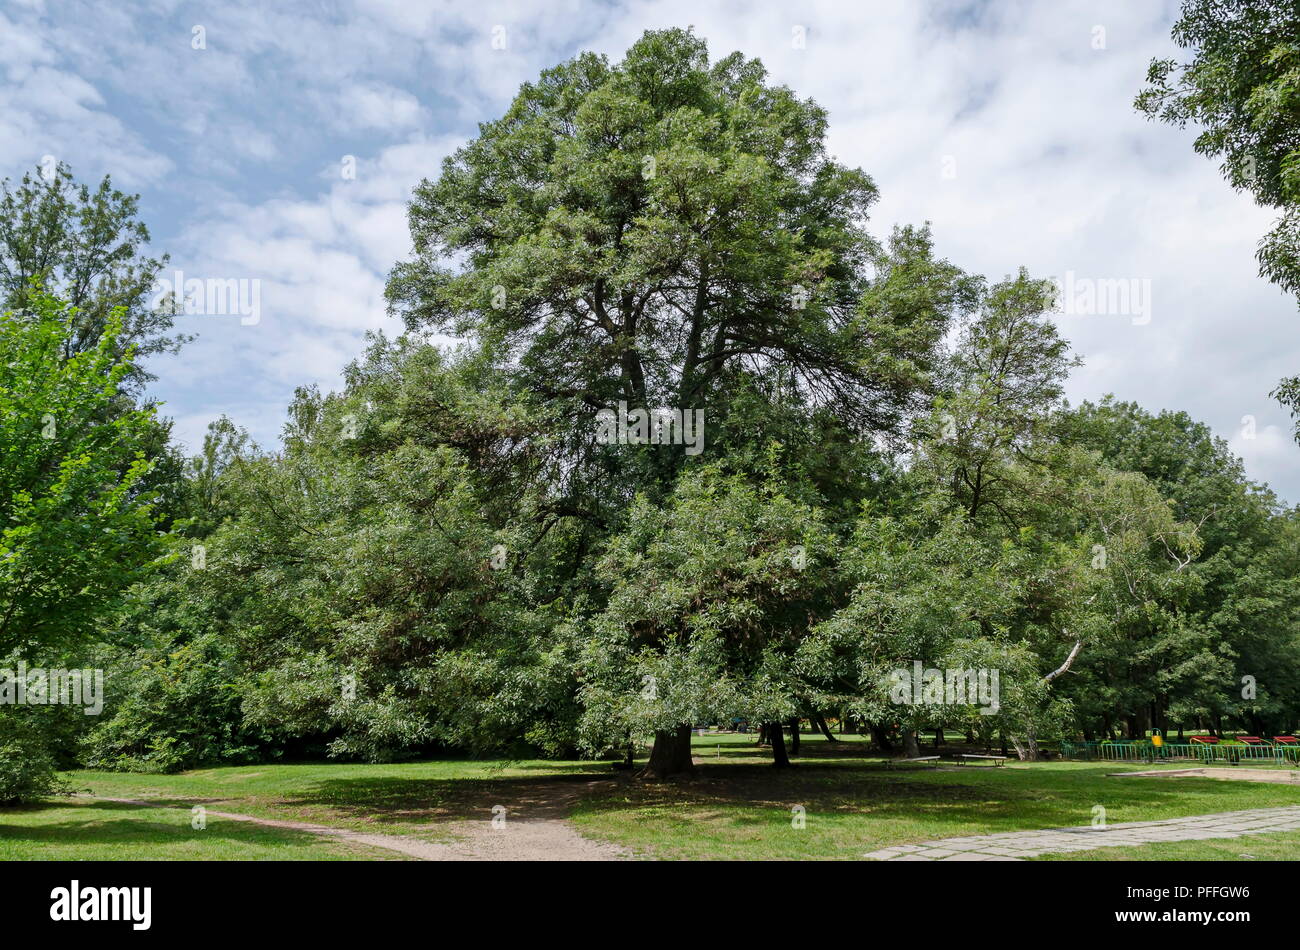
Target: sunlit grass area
1280	846
742	808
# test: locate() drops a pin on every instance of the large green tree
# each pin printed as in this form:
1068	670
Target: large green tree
647	230
669	232
77	526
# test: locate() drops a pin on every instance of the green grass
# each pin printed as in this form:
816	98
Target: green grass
408	798
742	808
108	831
738	807
1282	846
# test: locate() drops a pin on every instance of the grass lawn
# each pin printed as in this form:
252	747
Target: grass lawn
406	798
739	807
1283	846
108	831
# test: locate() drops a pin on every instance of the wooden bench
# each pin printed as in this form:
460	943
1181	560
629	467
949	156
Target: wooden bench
919	758
997	760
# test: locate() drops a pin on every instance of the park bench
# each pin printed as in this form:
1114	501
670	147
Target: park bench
1251	740
1204	740
1286	740
995	759
918	758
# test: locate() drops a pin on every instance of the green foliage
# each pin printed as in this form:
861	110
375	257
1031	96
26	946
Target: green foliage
1242	88
27	762
709	598
175	703
75	528
1239	603
672	232
921	589
84	247
1288	394
394	574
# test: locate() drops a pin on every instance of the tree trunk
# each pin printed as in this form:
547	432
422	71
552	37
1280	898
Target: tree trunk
824	729
671	755
1026	751
911	748
880	736
779	758
794	736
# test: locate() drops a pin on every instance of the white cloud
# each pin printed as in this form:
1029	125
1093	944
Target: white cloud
378	106
321	262
47	109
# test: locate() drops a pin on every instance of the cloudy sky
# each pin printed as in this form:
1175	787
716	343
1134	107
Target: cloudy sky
1008	125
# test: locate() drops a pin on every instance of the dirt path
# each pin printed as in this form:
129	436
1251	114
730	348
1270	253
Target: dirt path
533	829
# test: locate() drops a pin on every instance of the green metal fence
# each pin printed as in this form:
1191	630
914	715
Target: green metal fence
1144	751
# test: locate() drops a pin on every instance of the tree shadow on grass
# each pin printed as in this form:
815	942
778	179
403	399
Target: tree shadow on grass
983	798
551	793
400	800
742	785
117	823
556	793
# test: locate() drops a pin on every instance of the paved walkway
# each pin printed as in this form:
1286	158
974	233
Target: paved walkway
1016	845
